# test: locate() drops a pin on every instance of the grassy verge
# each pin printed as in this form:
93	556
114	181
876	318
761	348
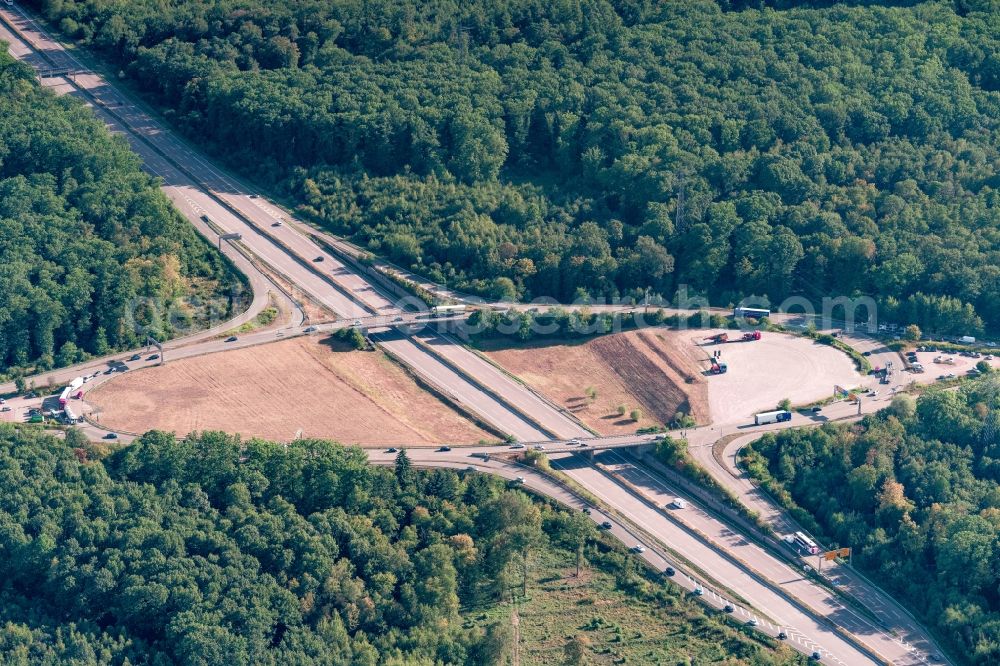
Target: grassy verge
264	318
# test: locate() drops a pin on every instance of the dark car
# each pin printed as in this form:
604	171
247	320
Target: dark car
445	448
111	435
815	656
866	353
816	410
669	571
392	449
318	259
232	338
153	357
728	608
134	357
586	510
782	635
606	525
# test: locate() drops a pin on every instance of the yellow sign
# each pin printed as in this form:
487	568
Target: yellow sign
834	554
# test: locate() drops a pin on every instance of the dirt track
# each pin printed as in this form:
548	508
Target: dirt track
638	369
274	390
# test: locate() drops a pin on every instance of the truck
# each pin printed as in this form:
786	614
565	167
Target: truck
967	339
777	416
718	367
721	338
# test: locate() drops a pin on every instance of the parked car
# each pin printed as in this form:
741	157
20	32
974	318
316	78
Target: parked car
782	636
586	510
153	357
728	608
134	357
638	548
606	525
519	480
698	591
669	571
4	409
111	435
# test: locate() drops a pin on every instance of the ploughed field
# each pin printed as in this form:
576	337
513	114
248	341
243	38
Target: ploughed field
274	391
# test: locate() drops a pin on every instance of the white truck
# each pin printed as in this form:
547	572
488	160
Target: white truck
967	339
777	416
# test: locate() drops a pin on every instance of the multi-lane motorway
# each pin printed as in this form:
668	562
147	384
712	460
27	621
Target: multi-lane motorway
780	597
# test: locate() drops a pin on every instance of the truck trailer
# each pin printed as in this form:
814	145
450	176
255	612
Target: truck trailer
777	416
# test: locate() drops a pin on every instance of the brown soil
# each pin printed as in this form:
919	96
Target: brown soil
272	391
650	370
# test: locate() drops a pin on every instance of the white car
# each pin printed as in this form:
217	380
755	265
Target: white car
574	442
519	479
698	591
679	503
638	548
517	445
538	447
357	322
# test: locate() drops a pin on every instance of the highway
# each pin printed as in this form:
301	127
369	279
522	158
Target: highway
274	238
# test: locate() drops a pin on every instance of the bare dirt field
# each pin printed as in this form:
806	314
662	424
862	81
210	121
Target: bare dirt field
764	372
645	369
272	391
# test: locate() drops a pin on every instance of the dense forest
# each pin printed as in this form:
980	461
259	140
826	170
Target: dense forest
87	240
213	551
602	147
915	490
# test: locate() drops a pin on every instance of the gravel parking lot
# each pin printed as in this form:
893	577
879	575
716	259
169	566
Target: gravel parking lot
764	372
